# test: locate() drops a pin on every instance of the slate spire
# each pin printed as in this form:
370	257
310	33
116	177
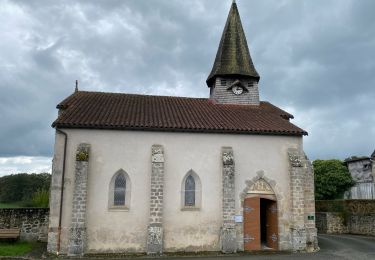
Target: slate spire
233	56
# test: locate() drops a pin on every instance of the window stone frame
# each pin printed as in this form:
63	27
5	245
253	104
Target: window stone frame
198	192
111	190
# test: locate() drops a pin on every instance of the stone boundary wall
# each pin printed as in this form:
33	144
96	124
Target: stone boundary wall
331	223
346	217
33	222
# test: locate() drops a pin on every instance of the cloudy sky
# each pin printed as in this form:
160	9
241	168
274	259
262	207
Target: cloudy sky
315	59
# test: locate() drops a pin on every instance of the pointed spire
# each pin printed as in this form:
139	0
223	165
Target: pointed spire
76	89
233	56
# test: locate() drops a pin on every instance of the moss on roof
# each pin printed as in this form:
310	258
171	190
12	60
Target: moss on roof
233	56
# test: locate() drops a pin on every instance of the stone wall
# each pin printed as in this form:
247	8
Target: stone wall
331	223
303	230
33	222
346	217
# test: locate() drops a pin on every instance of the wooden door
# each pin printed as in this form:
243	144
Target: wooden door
251	212
272	229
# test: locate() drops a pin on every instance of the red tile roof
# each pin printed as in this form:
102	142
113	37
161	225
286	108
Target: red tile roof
161	113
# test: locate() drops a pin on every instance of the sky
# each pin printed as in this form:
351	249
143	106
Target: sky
315	59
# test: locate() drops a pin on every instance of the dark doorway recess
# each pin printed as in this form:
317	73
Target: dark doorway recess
263	222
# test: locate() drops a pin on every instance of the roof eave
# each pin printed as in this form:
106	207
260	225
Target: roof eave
212	77
186	130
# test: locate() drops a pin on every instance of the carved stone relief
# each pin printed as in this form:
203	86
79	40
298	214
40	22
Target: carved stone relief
261	187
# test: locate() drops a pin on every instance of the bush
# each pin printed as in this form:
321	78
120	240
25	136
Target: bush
40	199
332	179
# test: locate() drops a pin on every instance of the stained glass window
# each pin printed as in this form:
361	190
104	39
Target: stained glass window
120	189
190	191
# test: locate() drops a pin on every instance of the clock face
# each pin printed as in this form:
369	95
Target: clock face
237	90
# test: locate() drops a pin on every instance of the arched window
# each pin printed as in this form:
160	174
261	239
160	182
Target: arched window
119	191
191	191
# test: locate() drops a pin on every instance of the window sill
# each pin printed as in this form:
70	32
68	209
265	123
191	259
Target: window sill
187	208
118	208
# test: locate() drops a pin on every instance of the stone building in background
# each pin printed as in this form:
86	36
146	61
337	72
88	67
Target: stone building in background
362	170
137	173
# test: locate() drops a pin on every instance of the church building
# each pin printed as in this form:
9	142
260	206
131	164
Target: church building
154	174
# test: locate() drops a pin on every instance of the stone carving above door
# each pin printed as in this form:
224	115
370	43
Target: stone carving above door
260	187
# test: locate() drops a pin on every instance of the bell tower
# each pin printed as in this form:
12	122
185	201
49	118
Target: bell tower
233	79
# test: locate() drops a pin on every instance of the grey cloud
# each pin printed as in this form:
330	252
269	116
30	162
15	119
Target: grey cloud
314	57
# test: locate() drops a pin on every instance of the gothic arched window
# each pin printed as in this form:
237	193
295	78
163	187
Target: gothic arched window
190	191
119	191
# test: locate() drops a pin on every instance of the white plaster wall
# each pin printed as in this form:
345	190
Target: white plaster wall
119	231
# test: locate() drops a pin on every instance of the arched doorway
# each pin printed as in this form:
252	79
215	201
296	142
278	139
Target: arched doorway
260	218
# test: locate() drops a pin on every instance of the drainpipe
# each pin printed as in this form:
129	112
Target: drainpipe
62	190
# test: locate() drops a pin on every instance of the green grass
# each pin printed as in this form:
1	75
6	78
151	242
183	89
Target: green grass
10	205
16	248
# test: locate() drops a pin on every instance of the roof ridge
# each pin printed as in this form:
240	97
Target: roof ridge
136	94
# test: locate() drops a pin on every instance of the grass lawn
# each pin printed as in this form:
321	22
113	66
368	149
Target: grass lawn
16	248
10	205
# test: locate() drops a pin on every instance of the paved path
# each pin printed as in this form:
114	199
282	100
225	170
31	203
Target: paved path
343	247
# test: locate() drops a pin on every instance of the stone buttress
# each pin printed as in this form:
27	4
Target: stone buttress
155	227
77	234
228	230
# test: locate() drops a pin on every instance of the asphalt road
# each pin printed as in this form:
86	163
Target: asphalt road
331	247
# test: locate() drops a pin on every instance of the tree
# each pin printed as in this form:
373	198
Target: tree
332	179
21	187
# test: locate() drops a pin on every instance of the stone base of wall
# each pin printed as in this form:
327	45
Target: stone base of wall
77	241
33	222
312	240
155	239
228	239
52	242
298	238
